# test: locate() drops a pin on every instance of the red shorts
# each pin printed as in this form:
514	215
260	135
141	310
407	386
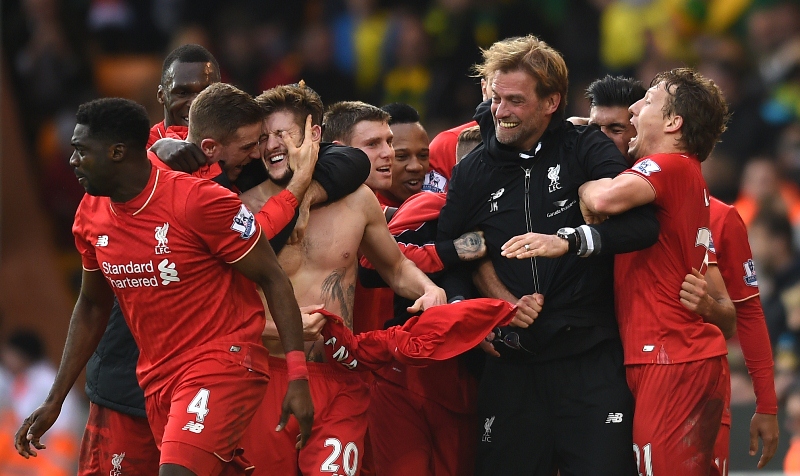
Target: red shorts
114	441
199	417
719	466
336	445
425	436
677	415
722	447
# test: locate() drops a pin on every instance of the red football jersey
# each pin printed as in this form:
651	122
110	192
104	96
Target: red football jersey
158	131
732	251
654	326
735	261
443	158
166	254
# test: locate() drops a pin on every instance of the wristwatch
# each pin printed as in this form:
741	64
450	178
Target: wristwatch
572	236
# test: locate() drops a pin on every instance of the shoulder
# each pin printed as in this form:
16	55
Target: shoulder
329	149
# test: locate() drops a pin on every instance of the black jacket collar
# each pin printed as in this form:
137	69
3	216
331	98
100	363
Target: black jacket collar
501	155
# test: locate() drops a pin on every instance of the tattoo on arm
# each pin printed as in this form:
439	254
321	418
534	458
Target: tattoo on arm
333	291
470	246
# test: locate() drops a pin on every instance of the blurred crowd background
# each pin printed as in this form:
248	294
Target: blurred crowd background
60	53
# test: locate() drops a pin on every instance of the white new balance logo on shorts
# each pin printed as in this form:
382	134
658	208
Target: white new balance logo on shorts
193	427
614	418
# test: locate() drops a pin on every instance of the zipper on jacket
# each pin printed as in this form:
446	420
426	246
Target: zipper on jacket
529	226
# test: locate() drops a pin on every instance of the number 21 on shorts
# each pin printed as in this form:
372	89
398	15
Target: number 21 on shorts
644	456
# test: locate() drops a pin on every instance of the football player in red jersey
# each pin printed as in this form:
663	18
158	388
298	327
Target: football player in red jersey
730	256
669	350
161	240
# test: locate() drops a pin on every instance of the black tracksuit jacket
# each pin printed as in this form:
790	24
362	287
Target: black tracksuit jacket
507	193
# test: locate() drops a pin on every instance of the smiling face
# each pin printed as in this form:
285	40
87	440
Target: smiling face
375	139
411	160
184	81
274	151
91	162
520	116
615	122
240	150
649	121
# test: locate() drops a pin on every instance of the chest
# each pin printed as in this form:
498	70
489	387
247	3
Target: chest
541	196
331	240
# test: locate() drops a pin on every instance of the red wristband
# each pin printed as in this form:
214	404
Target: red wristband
296	365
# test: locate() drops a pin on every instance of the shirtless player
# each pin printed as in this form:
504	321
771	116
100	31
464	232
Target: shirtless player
322	268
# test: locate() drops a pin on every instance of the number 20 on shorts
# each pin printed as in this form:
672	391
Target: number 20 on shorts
349	458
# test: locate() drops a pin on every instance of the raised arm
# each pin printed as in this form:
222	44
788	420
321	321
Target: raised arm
86	327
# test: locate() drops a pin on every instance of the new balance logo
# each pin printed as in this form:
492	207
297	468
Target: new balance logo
168	272
614	418
194	427
102	240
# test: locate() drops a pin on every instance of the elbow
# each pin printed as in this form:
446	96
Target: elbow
604	205
729	331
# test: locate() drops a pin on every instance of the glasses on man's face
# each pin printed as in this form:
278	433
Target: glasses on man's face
509	338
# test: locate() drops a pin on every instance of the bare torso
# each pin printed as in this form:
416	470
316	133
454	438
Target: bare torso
323	265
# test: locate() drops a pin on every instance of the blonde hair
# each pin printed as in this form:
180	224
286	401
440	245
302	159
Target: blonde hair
533	56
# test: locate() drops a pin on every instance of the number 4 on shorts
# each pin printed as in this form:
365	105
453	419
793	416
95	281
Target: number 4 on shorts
199	405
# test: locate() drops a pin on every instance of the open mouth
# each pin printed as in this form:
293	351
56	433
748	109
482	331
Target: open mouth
276	159
508	125
413	184
384	170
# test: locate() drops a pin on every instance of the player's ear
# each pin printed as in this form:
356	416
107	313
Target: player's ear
210	148
160	95
316	133
674	123
117	151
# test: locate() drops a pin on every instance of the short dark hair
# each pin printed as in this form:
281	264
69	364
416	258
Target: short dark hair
297	98
342	117
615	91
188	54
219	111
28	343
401	113
701	105
116	120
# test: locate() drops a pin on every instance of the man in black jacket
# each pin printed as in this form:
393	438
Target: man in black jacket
554	394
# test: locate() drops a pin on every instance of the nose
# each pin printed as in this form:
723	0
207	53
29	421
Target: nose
414	165
635	107
273	142
73	159
500	110
255	153
388	151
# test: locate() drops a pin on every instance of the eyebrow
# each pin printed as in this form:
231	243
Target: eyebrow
249	145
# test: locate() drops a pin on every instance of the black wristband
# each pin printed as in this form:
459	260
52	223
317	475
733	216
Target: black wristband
589	241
